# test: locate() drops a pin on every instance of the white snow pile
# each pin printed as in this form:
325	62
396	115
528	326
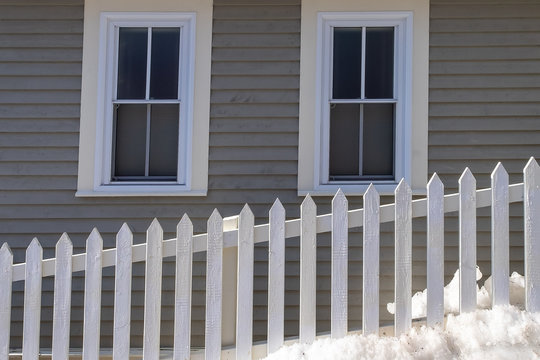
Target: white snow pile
451	295
505	332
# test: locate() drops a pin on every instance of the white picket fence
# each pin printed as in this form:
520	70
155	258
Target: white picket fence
244	235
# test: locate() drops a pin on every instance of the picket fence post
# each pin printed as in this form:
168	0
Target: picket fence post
32	300
6	276
214	269
62	298
370	265
244	298
276	277
467	242
499	236
122	293
182	308
92	296
531	202
308	270
435	252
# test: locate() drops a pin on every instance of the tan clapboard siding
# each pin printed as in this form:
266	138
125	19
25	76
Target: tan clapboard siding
484	90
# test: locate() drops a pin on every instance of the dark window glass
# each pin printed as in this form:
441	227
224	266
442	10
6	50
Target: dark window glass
130	141
164	65
344	139
378	140
379	63
132	47
164	140
347	63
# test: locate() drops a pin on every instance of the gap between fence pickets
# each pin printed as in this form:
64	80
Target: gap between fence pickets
292	229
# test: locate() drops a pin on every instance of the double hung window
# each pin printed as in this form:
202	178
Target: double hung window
146	105
363	107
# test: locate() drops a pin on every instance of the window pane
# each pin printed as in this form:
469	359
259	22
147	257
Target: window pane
380	63
164	140
130	141
344	139
164	65
347	72
132	46
378	136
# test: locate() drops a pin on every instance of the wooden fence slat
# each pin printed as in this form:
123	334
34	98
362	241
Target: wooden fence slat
32	300
62	298
152	291
308	270
499	236
339	277
244	298
214	290
435	252
92	296
6	276
122	293
531	175
467	242
403	257
182	308
370	273
276	277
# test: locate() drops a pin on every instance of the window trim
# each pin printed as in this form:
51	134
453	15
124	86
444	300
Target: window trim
402	21
91	141
309	68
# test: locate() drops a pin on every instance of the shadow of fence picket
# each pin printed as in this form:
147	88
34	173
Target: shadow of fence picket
241	232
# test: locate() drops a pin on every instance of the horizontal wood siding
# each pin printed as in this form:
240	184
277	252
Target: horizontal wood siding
484	88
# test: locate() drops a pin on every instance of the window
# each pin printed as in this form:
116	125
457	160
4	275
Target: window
148	116
147	106
363	103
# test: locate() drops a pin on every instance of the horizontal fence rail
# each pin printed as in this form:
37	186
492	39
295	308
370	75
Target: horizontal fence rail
241	232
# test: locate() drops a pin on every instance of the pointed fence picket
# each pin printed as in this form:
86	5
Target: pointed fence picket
62	298
403	258
276	277
435	252
92	296
244	235
122	293
32	301
182	308
499	236
339	278
308	270
531	201
6	278
244	298
214	268
370	264
467	242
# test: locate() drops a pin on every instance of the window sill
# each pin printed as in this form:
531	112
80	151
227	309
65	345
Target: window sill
140	190
358	189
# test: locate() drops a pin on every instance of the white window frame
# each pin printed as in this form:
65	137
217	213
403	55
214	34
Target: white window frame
402	21
110	22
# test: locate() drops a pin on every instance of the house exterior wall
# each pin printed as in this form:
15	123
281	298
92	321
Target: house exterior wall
484	76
